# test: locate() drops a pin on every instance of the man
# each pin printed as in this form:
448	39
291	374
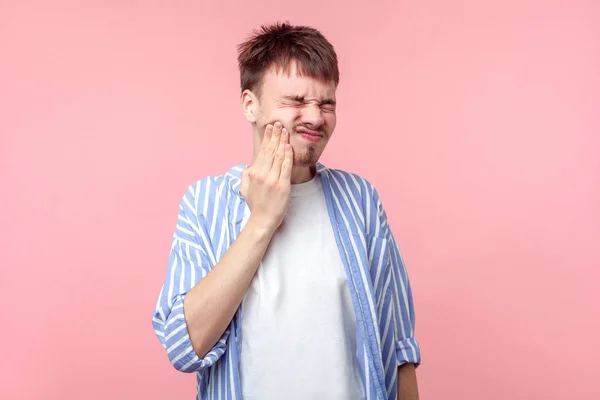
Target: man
284	278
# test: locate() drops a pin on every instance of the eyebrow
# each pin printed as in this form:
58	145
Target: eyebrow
301	99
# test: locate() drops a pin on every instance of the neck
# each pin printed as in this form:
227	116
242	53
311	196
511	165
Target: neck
302	174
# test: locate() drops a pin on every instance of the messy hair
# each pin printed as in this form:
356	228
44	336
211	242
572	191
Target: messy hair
282	46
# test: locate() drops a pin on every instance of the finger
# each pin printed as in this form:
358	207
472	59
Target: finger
272	148
260	159
279	156
245	183
275	137
285	138
288	163
267	136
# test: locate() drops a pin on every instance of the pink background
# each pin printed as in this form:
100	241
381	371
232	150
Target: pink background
477	120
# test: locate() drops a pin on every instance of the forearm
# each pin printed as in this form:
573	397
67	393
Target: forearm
210	305
407	382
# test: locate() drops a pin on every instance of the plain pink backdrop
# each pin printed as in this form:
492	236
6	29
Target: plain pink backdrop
478	121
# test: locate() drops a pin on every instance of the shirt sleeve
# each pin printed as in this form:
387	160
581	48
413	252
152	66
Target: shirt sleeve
188	263
407	348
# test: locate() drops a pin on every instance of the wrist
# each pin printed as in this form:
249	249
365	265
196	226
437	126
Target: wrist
260	229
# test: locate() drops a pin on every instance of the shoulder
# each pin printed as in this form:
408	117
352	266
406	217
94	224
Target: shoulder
351	182
211	188
359	194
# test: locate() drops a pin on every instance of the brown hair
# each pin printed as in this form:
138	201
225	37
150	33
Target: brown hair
281	45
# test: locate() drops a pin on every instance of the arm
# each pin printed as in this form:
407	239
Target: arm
189	264
407	382
210	306
408	355
198	301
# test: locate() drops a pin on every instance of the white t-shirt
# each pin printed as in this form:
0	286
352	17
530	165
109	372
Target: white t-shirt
298	320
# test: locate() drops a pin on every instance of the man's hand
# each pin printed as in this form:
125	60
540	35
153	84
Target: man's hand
266	184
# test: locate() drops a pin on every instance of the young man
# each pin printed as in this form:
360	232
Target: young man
284	278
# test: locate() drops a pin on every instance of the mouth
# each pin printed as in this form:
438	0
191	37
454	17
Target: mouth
311	136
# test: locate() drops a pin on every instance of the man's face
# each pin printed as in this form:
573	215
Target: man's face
306	108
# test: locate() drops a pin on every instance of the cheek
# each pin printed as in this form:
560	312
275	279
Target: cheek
330	122
287	116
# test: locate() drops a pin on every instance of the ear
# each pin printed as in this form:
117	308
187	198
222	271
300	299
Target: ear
250	105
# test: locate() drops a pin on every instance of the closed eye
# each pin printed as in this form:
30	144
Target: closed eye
294	101
327	105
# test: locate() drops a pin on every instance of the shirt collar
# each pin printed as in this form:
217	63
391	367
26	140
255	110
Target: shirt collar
235	175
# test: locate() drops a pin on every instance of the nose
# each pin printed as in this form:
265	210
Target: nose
312	116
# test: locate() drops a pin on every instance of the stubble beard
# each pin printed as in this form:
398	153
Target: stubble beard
307	157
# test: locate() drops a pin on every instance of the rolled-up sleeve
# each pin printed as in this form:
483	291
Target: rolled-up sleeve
407	348
188	264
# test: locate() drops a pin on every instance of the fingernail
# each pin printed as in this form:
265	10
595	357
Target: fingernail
284	132
278	125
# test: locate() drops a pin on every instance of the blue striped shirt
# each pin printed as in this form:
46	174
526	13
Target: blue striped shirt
209	220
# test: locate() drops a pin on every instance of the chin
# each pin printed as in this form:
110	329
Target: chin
304	164
306	156
306	159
